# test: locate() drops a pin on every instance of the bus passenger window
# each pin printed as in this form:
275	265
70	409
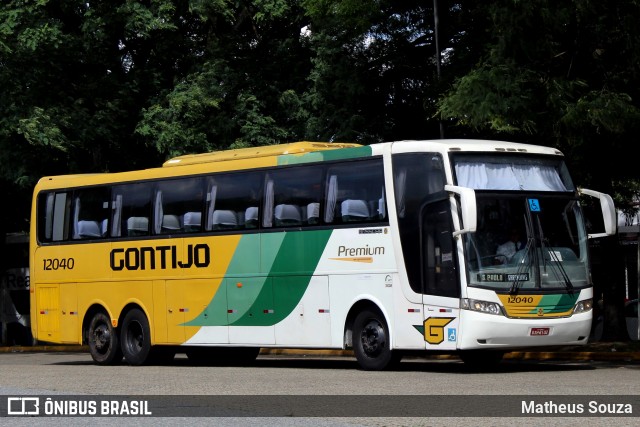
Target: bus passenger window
232	201
54	210
355	193
90	208
296	195
177	201
132	207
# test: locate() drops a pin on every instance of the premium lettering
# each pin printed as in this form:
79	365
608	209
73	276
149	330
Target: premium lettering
159	257
364	251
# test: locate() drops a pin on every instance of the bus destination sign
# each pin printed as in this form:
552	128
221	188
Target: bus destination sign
503	277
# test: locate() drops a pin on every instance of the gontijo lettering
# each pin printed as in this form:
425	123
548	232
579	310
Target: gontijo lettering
162	257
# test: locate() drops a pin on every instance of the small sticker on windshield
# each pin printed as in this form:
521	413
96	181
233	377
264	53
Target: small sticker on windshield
534	205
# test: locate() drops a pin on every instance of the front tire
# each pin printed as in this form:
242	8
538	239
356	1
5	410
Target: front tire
136	337
371	343
102	339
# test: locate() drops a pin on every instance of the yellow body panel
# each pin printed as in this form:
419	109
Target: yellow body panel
169	296
67	279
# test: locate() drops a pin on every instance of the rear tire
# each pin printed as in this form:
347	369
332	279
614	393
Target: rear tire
103	341
371	343
136	337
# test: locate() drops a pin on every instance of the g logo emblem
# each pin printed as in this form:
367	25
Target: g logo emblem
434	329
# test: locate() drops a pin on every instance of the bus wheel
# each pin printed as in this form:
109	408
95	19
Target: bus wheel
371	341
136	337
103	340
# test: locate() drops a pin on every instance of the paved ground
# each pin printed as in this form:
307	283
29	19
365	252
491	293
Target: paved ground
622	351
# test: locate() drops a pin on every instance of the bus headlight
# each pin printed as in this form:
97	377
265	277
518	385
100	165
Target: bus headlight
583	306
481	306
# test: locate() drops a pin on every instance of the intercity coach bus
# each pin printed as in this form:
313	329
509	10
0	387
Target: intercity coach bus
383	249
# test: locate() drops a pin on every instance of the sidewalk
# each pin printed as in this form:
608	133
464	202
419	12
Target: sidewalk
599	351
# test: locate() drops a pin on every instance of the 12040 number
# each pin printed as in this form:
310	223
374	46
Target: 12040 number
59	263
520	300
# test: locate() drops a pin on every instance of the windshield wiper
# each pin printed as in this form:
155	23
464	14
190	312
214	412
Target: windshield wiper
522	267
555	264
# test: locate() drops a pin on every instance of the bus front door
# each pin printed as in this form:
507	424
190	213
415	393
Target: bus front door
440	285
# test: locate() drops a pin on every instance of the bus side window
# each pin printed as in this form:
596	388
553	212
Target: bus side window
55	209
355	193
232	201
90	208
296	195
131	208
178	205
417	178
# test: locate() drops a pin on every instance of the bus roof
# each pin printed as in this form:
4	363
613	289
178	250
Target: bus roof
473	145
254	152
286	154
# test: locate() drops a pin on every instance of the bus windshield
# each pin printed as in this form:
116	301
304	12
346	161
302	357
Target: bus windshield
527	242
529	232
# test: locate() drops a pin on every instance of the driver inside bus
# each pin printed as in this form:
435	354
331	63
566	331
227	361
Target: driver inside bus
508	249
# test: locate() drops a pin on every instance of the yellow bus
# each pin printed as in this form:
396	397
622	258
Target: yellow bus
385	249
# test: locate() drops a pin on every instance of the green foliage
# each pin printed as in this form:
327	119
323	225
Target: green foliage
122	84
181	124
498	98
602	111
559	73
40	129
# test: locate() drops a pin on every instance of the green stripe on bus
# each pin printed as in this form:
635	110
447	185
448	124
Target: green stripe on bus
320	156
557	303
290	274
288	258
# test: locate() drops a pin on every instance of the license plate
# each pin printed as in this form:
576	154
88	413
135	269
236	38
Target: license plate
539	331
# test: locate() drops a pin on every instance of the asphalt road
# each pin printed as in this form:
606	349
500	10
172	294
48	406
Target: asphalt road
344	394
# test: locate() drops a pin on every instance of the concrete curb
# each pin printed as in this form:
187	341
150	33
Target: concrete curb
583	356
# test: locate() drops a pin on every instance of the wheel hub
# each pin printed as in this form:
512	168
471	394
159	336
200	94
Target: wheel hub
101	337
373	338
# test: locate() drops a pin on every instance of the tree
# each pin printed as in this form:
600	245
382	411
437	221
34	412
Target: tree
560	73
254	61
374	75
74	76
563	74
